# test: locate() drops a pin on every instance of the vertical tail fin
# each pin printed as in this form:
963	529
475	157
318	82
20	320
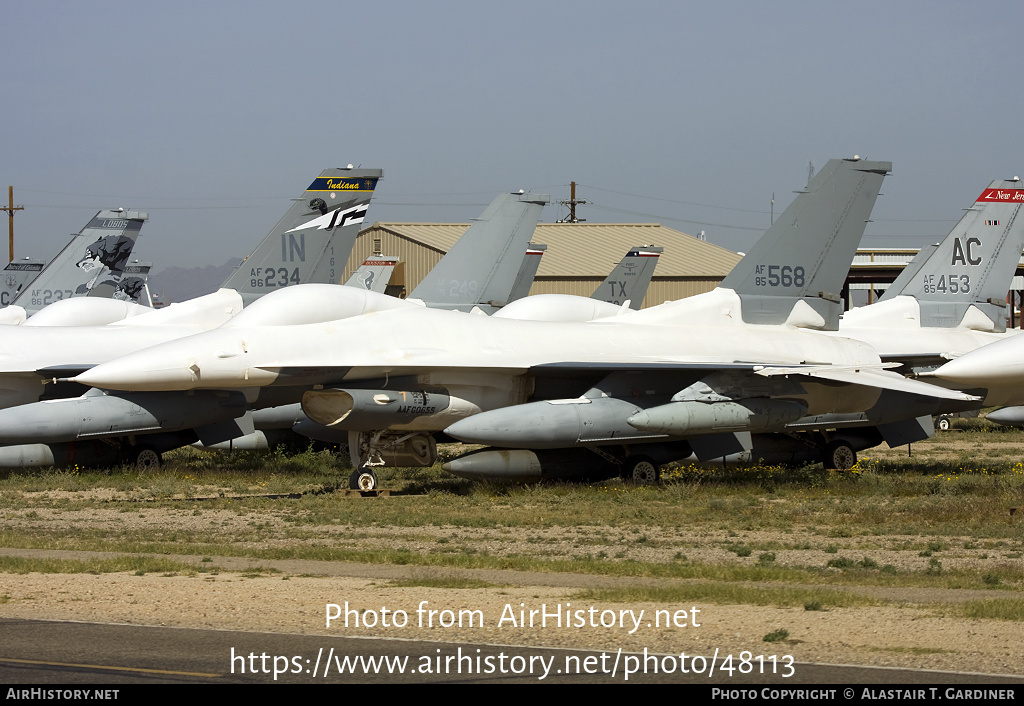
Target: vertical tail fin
527	271
16	276
481	268
312	242
374	274
93	263
134	285
909	273
973	266
805	256
630	278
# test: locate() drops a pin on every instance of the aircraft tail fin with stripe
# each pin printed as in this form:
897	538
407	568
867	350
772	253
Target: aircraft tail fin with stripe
312	242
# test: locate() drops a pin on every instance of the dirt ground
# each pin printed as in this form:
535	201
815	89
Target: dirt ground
293	597
917	627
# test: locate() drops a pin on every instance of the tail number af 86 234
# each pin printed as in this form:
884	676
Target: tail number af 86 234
269	277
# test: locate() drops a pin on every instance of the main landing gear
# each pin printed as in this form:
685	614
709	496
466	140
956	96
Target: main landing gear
839	455
363	479
641	470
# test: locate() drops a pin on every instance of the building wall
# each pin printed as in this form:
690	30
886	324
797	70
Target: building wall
661	290
417	258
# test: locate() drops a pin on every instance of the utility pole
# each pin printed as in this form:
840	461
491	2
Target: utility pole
572	203
11	208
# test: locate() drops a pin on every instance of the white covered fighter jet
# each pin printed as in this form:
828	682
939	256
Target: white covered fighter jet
747	356
950	300
308	244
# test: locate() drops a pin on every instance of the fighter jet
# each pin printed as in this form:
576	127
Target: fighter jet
313	238
92	264
948	300
627	282
167	420
994	369
465	279
952	298
746	356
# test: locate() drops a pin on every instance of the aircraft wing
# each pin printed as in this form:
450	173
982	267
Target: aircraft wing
63	372
869	377
866	375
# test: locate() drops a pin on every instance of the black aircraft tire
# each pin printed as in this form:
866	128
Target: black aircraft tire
363	479
943	424
641	470
146	458
839	456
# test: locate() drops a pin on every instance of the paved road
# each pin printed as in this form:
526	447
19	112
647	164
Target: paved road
44	652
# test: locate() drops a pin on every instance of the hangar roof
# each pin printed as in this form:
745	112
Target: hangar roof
588	249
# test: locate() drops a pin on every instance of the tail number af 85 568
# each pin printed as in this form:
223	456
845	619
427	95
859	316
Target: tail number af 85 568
779	276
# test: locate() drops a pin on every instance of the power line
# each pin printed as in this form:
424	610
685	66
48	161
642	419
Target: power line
673	218
685	203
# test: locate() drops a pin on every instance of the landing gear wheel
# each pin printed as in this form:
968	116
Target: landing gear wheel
641	470
840	456
147	459
363	479
943	423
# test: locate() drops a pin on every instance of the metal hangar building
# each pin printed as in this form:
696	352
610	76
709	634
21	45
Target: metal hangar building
578	257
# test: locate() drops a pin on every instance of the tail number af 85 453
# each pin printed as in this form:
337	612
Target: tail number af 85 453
952	284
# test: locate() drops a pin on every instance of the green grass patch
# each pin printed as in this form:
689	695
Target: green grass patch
731	594
139	565
442	582
912	650
995	609
925	498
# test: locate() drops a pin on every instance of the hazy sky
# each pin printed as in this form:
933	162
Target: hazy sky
212	115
